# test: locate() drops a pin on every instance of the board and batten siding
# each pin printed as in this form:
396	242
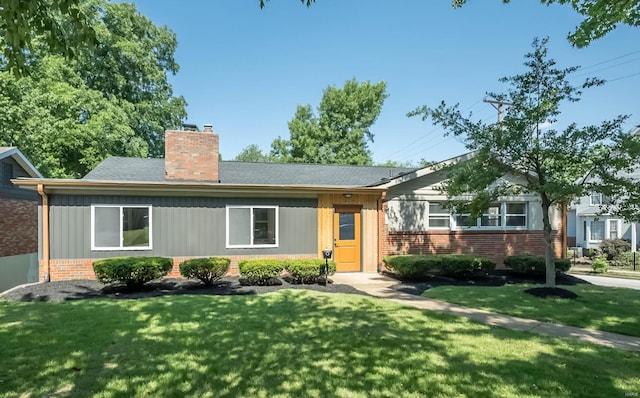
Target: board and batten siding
369	227
181	226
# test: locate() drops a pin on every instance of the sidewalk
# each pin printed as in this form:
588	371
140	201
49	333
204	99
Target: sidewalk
381	286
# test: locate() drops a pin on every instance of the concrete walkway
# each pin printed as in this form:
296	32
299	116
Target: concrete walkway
381	286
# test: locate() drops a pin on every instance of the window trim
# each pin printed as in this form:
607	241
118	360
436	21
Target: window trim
503	219
618	228
600	196
437	216
604	230
252	245
121	247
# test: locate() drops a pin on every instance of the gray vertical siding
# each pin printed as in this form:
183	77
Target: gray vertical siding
181	226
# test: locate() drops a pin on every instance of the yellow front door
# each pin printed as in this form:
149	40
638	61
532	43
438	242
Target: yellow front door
346	238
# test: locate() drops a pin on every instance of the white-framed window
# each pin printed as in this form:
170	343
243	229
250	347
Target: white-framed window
516	214
121	227
614	229
439	217
252	226
492	217
596	232
506	215
595	199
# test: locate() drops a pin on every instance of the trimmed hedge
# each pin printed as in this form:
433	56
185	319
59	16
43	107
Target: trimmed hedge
208	270
260	271
132	271
530	264
416	266
308	270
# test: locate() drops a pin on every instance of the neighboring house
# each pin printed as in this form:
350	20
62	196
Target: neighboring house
18	221
191	205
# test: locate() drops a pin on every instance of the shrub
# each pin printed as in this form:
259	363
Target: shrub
461	264
530	264
600	265
612	248
625	260
590	252
260	271
411	266
414	266
308	270
208	270
132	271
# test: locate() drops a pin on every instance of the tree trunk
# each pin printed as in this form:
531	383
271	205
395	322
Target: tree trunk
549	257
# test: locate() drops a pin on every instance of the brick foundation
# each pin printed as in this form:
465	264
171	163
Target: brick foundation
62	270
492	244
18	226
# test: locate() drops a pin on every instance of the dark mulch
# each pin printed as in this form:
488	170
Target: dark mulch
551	292
88	289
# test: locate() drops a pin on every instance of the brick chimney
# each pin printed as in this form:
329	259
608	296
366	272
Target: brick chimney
191	155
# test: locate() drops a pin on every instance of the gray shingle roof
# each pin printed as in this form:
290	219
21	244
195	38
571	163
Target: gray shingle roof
152	170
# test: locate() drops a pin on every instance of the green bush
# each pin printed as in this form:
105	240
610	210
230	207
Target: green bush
260	271
625	260
208	270
417	266
308	270
531	264
600	265
612	248
464	264
132	271
590	252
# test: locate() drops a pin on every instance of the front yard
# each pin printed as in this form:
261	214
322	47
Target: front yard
603	308
288	343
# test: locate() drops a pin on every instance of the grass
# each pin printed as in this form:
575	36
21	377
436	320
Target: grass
598	307
289	343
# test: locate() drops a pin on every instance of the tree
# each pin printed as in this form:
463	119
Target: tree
252	153
556	166
63	26
601	17
111	99
339	133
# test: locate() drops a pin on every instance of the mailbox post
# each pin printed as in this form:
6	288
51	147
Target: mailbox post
326	253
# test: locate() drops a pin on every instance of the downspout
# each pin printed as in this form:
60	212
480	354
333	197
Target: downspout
45	233
380	225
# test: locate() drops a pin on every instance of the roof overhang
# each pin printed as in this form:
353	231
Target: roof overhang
22	160
426	170
68	186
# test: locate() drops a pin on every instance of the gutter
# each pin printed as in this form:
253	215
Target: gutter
45	233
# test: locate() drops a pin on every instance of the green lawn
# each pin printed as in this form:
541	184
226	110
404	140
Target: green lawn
289	343
604	308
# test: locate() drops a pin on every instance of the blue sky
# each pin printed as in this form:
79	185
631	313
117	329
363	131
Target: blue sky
245	70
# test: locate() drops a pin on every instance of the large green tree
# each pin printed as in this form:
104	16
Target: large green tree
111	99
554	165
339	133
252	153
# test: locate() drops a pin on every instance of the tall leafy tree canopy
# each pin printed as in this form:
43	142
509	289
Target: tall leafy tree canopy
339	132
252	153
555	165
112	98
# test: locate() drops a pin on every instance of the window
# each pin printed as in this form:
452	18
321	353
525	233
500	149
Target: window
115	227
595	199
252	226
597	230
438	216
516	214
613	229
492	218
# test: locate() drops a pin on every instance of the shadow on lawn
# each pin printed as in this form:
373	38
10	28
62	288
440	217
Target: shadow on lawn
291	343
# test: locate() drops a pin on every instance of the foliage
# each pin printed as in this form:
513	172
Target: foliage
532	264
600	264
600	17
612	248
626	260
208	270
132	271
417	266
113	99
308	270
339	133
553	165
590	252
260	271
252	153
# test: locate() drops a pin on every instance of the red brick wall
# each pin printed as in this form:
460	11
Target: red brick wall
62	270
191	155
493	244
18	227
